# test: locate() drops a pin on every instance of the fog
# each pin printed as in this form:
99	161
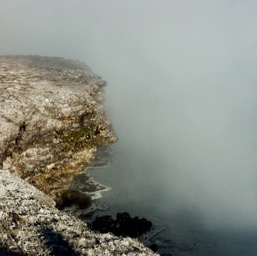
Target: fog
181	92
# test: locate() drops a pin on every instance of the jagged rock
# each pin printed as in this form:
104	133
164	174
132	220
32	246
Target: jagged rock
124	225
51	122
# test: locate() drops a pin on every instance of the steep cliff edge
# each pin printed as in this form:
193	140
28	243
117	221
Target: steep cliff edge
51	122
52	119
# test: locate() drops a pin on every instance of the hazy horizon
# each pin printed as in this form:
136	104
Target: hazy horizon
181	91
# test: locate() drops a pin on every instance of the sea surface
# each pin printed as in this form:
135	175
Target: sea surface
177	233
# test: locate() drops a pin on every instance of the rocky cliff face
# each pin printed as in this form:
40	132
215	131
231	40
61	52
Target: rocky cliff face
52	119
51	122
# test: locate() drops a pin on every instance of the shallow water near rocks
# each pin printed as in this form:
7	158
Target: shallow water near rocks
175	233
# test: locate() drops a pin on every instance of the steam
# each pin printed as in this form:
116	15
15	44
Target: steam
181	91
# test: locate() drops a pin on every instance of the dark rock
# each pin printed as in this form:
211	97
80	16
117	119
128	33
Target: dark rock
103	224
154	247
124	225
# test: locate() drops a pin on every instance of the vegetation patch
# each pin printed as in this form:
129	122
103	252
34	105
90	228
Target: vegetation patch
83	132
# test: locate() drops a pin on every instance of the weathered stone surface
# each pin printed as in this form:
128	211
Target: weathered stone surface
51	122
52	119
30	225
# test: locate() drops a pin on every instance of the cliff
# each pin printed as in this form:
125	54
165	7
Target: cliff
51	122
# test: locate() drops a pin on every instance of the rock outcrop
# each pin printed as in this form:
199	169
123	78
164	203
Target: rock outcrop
51	122
123	225
52	119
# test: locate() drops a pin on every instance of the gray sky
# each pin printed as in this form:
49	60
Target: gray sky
181	88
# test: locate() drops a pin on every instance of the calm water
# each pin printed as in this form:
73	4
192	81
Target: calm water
177	232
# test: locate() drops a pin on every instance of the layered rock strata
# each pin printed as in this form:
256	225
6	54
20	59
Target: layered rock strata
51	122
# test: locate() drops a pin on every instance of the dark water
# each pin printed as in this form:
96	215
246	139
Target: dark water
176	232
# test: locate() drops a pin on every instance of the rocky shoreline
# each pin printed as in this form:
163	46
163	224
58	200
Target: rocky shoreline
51	122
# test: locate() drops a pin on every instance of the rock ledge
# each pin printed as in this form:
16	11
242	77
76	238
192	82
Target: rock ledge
51	122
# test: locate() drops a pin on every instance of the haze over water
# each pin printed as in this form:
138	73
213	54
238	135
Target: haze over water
181	95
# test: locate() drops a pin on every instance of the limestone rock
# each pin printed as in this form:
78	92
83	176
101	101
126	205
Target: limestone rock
51	122
52	119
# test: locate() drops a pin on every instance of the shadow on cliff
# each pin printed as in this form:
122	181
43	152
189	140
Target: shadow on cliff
57	244
7	252
54	242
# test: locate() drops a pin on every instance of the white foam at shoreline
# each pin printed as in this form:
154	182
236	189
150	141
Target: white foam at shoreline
97	194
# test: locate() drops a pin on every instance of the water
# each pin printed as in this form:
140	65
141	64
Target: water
176	232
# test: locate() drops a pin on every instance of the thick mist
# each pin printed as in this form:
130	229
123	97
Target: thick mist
181	92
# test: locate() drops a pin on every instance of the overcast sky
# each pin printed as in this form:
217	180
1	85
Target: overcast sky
181	87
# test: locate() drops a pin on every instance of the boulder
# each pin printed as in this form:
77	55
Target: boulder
124	225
